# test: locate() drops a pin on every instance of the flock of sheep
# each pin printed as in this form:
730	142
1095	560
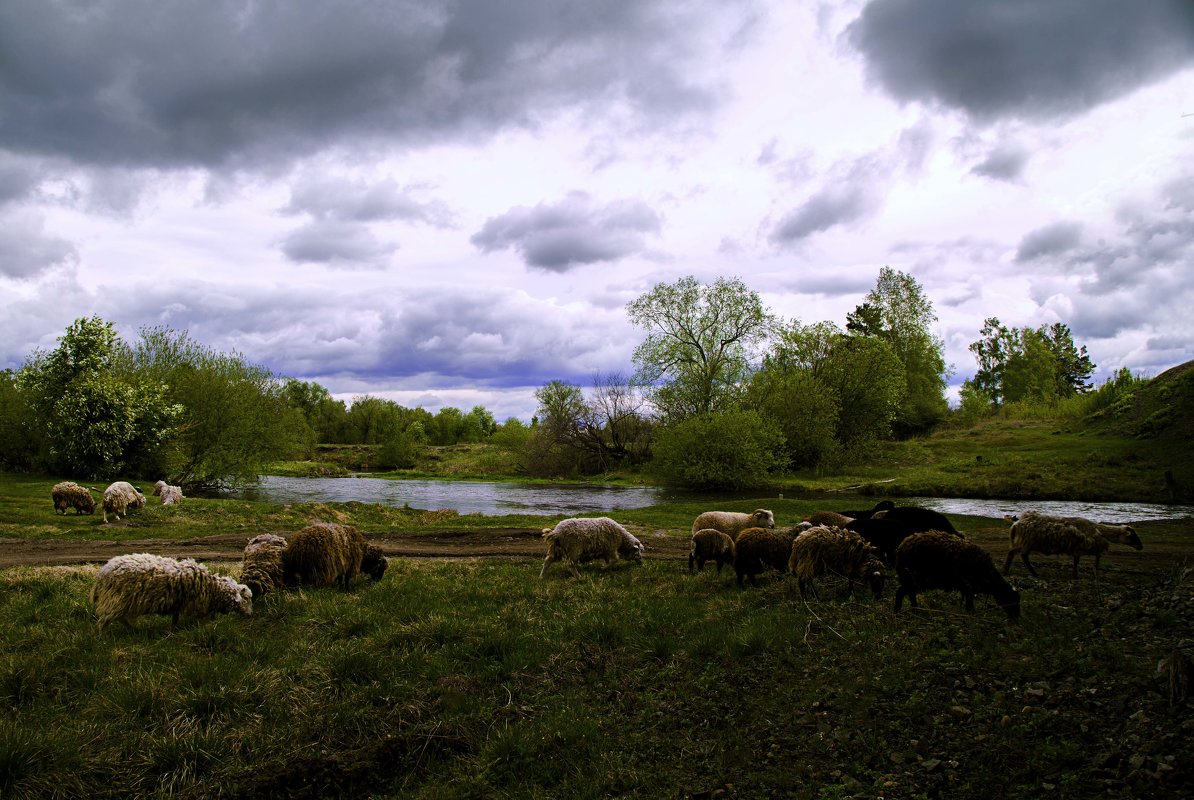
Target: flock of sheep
920	545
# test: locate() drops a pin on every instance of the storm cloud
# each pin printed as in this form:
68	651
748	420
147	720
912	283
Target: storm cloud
1022	58
572	232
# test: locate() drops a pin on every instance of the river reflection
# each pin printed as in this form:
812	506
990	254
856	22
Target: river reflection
496	498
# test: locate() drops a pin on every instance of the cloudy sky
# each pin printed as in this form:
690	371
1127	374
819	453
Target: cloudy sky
450	202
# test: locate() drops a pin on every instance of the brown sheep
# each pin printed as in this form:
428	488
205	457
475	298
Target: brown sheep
326	553
1072	536
69	494
710	545
757	549
824	550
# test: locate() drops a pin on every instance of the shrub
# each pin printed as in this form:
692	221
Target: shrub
730	450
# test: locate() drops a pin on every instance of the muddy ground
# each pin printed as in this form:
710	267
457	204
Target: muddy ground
462	543
1167	543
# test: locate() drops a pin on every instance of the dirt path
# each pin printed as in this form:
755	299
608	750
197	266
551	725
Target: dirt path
462	543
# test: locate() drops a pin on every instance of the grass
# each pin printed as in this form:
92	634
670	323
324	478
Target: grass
477	679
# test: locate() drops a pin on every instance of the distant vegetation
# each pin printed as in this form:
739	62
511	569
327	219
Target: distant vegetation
724	396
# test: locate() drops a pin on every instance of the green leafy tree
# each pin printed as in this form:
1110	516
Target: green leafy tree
235	416
898	312
728	450
701	340
1029	364
803	410
99	416
20	435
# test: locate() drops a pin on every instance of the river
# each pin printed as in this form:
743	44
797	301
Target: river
497	498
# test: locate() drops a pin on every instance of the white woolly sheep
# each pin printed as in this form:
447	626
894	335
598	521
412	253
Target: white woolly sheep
170	494
119	498
580	539
757	549
69	494
942	560
829	550
710	545
261	568
1072	536
326	553
129	586
733	523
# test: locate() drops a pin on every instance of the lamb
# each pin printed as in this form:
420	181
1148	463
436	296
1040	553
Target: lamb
119	498
826	550
170	494
1073	536
709	544
760	548
829	518
326	553
941	560
261	568
129	586
581	539
69	494
733	523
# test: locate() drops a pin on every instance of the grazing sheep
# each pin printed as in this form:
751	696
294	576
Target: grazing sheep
824	550
1073	536
261	568
917	519
326	553
941	560
69	494
757	549
581	539
733	523
170	494
882	505
828	518
886	532
119	498
710	544
129	586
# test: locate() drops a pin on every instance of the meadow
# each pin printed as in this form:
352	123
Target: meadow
473	678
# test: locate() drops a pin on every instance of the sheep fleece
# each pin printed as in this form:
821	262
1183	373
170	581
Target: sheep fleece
733	523
261	568
69	494
581	539
825	550
130	586
120	497
323	554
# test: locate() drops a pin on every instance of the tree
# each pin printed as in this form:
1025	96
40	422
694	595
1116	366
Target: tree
20	435
98	415
700	343
729	450
898	312
1029	364
235	416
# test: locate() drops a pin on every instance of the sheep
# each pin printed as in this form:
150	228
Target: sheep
170	494
733	523
886	532
1073	536
916	518
882	505
69	494
828	518
129	586
261	568
326	553
941	560
119	498
709	544
756	549
827	550
579	539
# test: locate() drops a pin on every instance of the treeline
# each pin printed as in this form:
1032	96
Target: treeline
724	394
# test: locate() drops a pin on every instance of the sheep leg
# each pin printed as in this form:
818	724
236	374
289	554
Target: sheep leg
573	568
1027	563
691	561
968	596
1007	565
1076	557
1096	565
899	598
546	563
